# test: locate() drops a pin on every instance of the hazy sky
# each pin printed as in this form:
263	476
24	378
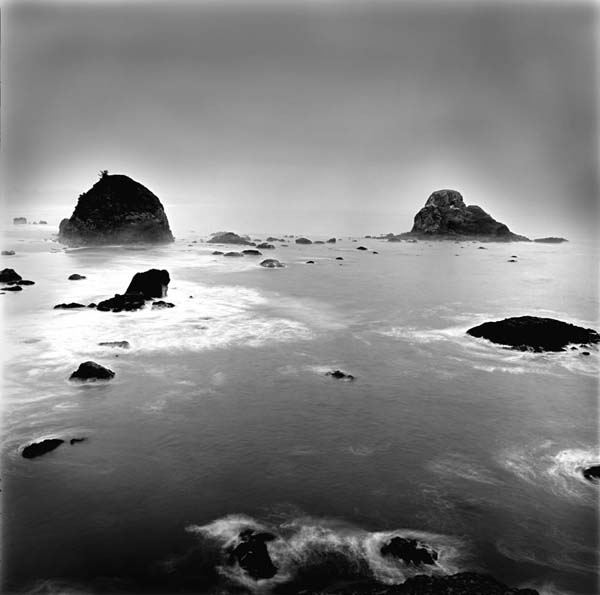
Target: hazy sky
308	116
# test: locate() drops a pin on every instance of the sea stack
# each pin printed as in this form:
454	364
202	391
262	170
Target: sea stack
445	216
117	210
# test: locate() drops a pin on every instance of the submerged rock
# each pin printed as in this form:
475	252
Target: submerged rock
550	240
228	237
234	254
37	449
533	333
271	263
19	220
252	554
303	241
252	252
409	551
76	440
69	306
266	246
340	375
339	258
76	277
361	248
121	344
8	252
91	371
116	210
592	473
9	276
217	253
151	283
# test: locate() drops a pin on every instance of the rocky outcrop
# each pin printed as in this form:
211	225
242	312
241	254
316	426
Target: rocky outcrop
271	263
273	239
116	210
37	449
252	555
152	283
550	240
91	371
410	551
592	473
228	237
9	276
128	302
303	241
530	333
445	216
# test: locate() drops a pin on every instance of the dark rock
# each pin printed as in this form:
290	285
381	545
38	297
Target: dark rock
233	254
69	306
361	248
12	288
76	440
121	344
511	260
76	277
265	246
375	252
24	282
409	551
271	263
340	375
228	237
585	353
252	554
446	215
481	248
8	252
533	333
151	283
160	305
303	241
319	242
217	253
117	210
331	241
550	240
310	262
272	239
91	371
9	276
592	473
339	258
128	302
19	220
92	305
252	252
37	449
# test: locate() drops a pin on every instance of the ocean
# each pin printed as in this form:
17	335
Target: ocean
221	416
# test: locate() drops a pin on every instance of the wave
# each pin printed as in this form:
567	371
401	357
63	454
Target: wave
305	547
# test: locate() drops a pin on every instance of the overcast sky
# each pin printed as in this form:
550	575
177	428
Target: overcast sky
308	116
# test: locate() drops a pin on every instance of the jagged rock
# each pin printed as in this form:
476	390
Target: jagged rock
340	375
446	215
228	237
128	302
76	277
151	283
9	276
252	252
8	253
266	246
37	449
234	254
533	333
303	241
70	306
271	263
409	551
118	210
592	473
19	220
121	344
252	554
550	240
161	305
91	371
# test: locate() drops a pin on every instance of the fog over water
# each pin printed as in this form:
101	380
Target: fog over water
307	116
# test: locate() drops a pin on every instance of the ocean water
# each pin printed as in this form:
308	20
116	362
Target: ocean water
221	416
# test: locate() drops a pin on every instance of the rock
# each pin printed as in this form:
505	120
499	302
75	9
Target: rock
550	240
303	241
8	253
24	282
252	252
533	333
310	262
42	222
445	215
375	252
121	344
252	554
160	305
481	248
76	277
217	253
511	260
92	305
340	375
9	276
271	263
91	371
339	258
117	210
585	353
265	246
76	440
19	220
151	283
228	237
331	241
234	254
12	288
592	473
70	306
462	583
319	242
37	449
361	248
128	302
272	239
409	551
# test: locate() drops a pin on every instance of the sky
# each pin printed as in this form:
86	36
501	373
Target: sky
322	117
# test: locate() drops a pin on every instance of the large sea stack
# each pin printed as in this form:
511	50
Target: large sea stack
445	216
116	210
